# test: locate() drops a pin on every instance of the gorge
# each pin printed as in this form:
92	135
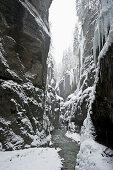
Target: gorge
42	99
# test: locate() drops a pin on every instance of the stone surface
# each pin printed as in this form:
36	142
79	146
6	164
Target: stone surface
103	104
24	46
77	104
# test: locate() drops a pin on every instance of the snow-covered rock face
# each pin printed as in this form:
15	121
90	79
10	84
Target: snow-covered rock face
24	46
67	84
99	122
25	37
52	105
93	48
77	104
103	105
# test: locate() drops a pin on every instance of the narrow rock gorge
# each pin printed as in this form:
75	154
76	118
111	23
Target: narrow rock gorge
42	101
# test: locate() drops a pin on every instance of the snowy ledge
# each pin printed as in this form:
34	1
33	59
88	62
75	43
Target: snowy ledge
73	136
31	159
94	156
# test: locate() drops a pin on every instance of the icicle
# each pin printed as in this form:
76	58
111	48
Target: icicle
103	25
71	78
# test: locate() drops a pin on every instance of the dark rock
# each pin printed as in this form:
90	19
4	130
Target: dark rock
24	46
103	105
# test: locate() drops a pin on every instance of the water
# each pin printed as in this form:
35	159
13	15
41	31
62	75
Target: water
69	149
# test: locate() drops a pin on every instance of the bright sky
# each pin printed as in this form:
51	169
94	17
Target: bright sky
62	17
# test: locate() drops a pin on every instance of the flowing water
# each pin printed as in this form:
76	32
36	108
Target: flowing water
69	149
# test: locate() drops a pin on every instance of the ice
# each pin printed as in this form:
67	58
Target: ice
103	26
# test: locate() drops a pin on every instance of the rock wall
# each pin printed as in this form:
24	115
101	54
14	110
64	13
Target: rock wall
87	12
52	103
53	107
94	93
67	84
77	104
102	106
24	46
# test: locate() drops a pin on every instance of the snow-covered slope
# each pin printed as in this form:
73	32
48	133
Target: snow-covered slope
28	159
92	155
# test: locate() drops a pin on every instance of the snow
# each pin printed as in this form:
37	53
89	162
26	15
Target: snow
3	60
73	136
40	139
27	122
23	92
13	140
3	121
59	98
19	90
0	146
78	95
92	155
31	159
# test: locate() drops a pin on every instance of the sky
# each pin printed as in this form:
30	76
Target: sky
62	18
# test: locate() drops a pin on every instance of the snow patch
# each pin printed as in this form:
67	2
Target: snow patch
73	136
92	155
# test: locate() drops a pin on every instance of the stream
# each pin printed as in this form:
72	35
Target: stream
69	149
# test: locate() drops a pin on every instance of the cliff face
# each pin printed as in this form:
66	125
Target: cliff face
67	84
94	89
24	45
87	14
102	106
77	104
